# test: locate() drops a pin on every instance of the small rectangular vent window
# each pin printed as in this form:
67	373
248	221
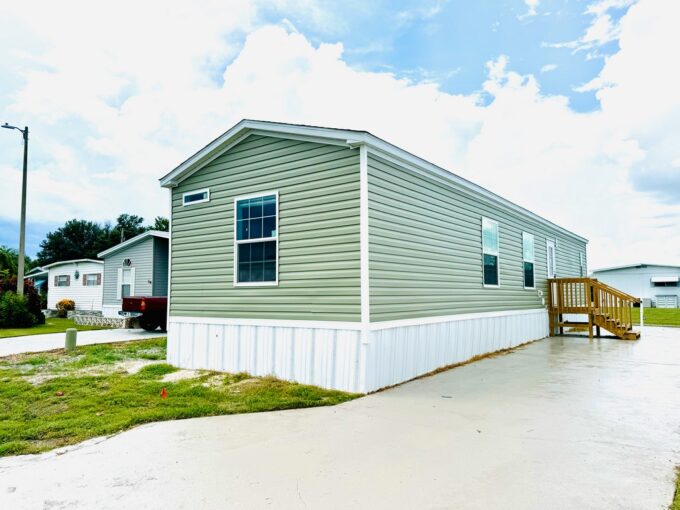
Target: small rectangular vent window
196	197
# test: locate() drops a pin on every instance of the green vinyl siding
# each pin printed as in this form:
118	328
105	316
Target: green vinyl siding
425	248
318	186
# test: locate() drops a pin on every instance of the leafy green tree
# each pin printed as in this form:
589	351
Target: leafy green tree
127	226
82	239
161	223
77	239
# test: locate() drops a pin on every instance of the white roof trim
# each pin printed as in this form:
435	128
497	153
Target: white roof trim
74	261
629	266
36	273
351	138
134	240
665	279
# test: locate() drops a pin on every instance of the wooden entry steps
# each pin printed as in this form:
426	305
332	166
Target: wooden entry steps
606	307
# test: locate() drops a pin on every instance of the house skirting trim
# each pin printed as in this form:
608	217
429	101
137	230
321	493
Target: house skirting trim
111	311
332	354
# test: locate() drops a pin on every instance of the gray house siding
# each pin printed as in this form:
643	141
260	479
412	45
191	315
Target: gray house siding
318	186
141	256
160	266
425	248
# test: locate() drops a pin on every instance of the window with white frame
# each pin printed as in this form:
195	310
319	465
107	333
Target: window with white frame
528	260
62	280
256	242
490	249
125	282
196	197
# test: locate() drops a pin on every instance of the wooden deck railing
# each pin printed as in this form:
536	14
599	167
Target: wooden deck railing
605	306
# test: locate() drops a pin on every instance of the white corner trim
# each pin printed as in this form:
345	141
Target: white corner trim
169	293
364	242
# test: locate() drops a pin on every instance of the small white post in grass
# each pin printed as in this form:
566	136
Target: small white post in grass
642	317
71	334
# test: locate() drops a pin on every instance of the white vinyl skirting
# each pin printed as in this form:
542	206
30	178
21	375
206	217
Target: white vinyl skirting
332	355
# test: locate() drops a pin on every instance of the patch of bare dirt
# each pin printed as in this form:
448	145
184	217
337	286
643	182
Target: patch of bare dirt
181	374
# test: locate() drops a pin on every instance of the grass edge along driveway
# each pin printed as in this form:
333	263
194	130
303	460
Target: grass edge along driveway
52	325
54	399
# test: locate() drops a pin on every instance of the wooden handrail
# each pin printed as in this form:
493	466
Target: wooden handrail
605	306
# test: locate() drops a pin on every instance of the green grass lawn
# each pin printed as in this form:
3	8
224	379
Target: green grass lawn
52	325
54	399
658	316
675	505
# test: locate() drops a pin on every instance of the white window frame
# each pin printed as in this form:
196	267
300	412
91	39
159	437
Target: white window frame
68	280
552	242
205	190
259	240
533	259
119	282
497	254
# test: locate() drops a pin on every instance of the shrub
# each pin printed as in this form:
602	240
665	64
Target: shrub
64	306
14	311
33	298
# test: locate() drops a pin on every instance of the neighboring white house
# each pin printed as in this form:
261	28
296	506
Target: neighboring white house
80	280
658	285
136	267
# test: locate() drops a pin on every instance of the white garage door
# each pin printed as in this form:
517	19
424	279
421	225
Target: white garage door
666	301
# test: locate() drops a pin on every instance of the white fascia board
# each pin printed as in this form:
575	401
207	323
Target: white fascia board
339	137
134	240
408	160
75	261
631	266
241	131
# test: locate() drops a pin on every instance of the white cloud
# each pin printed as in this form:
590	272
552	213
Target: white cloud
143	116
532	6
602	30
548	68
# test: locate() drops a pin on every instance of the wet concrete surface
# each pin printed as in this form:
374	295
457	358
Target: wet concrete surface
564	423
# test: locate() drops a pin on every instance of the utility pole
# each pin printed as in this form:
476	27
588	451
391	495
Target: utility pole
22	227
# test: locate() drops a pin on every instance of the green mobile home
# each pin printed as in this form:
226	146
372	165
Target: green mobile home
331	257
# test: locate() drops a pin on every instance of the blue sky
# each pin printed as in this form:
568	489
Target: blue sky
514	95
449	42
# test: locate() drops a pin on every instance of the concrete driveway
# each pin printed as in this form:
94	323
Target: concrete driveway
563	423
51	341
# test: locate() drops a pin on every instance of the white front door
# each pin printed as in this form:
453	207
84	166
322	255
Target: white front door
552	258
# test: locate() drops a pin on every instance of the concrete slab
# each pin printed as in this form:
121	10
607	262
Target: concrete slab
48	342
563	423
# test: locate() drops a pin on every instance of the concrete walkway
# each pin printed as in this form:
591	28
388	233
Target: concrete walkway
50	341
563	423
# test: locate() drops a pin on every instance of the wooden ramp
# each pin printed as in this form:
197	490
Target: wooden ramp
605	307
